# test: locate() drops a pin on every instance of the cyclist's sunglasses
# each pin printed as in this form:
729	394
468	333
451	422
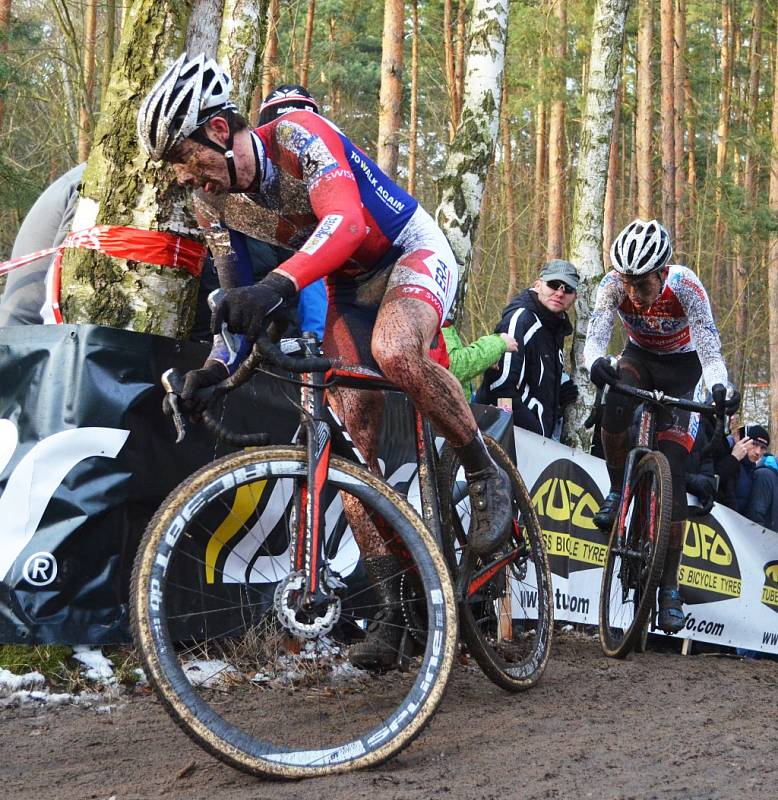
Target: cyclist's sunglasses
554	286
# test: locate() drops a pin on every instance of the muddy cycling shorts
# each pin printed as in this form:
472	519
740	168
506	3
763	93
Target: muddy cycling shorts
420	265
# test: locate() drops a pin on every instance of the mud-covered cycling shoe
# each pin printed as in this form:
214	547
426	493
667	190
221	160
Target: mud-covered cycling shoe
670	618
491	515
380	649
603	519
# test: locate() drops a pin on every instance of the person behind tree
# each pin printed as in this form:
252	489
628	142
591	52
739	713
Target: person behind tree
673	340
391	279
532	375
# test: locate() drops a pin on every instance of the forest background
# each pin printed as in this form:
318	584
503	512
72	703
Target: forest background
691	141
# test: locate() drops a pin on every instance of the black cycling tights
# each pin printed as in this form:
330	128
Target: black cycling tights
677	375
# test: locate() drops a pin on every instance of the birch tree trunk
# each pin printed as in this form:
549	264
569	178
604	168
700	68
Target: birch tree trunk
242	29
121	187
772	260
202	34
390	96
88	88
586	235
413	124
470	154
305	64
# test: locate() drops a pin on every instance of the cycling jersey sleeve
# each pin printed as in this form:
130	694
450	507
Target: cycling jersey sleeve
333	192
692	296
598	334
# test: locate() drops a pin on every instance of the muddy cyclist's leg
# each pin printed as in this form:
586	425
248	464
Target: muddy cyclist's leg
617	419
401	340
675	443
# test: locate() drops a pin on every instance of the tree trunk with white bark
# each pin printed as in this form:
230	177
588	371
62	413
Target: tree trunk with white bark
470	154
586	235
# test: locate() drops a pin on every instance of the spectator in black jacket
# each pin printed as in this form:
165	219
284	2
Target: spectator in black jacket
532	377
736	463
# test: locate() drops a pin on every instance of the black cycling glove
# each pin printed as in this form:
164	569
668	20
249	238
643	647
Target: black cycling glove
210	374
603	372
244	310
568	393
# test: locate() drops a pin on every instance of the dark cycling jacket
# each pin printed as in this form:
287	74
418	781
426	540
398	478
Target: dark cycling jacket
531	377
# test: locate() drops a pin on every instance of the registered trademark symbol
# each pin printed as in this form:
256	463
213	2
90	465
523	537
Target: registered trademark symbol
40	569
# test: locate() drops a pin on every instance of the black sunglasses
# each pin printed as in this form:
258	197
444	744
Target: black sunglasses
554	286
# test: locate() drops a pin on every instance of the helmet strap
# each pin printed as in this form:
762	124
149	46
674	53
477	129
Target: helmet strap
200	136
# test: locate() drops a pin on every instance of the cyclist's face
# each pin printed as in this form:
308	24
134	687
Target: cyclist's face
642	290
197	166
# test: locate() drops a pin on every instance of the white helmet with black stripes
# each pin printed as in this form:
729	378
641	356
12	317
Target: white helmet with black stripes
190	93
642	247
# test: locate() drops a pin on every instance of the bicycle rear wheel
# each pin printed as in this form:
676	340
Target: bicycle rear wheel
211	589
505	607
635	557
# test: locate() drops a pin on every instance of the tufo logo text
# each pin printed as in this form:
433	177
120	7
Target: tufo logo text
709	570
770	588
565	499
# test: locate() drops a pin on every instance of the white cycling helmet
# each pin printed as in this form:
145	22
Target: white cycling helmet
190	93
642	247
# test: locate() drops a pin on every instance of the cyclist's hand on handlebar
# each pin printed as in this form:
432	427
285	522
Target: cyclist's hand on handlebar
210	374
244	310
603	371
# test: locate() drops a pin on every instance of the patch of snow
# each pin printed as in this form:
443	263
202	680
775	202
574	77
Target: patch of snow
208	673
9	682
98	667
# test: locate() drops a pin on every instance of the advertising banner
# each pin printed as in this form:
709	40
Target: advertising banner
86	457
728	575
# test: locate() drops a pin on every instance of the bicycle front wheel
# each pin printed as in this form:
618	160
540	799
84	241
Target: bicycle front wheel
635	557
266	691
505	606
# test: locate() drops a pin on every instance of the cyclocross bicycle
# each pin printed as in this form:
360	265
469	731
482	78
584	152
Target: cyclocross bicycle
247	577
641	529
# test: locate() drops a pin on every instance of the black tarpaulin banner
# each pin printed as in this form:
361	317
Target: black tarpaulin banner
86	457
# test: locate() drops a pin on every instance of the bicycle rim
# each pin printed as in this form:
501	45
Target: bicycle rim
634	561
207	606
506	614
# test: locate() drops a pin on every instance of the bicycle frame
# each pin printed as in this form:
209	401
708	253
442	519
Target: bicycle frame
318	421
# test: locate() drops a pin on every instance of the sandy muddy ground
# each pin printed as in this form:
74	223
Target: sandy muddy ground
592	728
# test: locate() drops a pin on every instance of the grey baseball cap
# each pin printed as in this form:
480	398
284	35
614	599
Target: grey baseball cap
558	270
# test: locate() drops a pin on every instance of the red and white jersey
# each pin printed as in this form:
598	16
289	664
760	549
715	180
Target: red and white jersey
679	321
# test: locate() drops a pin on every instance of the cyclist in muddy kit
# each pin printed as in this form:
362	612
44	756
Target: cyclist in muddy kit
672	341
391	278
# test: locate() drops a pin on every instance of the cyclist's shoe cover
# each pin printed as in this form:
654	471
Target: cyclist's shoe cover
603	519
490	510
670	618
380	649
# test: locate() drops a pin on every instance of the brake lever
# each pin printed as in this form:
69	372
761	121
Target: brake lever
230	340
173	384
